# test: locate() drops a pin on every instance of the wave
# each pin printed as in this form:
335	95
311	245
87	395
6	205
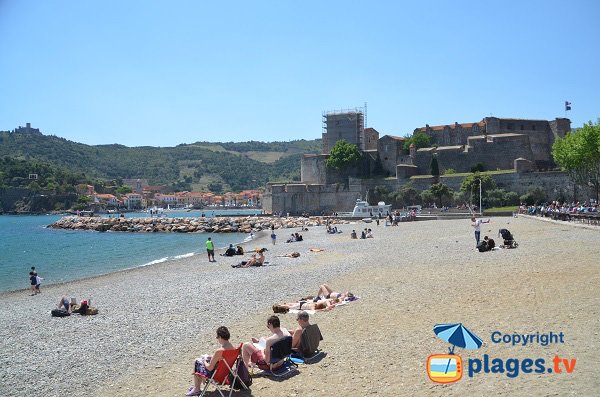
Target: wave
167	258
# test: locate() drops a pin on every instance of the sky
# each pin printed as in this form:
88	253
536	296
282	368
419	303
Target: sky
163	73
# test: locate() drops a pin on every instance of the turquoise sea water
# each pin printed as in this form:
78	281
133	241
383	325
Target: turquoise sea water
63	255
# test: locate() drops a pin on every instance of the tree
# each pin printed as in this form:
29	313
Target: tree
343	155
435	168
534	196
427	197
404	196
470	185
420	139
477	167
124	189
379	193
578	153
439	190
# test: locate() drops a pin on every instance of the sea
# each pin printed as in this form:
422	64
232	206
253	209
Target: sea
66	255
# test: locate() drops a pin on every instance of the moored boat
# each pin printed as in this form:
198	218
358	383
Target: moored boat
362	209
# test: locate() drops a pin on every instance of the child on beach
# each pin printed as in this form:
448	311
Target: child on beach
38	282
33	282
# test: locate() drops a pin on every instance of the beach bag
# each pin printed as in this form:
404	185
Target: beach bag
59	313
242	372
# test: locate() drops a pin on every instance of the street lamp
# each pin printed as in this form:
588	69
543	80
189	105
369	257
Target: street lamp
480	212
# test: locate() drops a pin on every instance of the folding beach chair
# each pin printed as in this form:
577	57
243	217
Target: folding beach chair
281	352
224	373
309	345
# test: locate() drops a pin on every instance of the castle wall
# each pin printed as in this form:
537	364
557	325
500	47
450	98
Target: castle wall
313	168
315	199
554	183
494	152
390	153
371	138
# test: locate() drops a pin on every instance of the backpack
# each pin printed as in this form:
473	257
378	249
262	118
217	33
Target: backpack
242	372
59	313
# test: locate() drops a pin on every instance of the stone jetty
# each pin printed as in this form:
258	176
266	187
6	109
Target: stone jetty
244	224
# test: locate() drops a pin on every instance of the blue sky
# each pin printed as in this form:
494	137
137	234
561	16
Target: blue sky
161	73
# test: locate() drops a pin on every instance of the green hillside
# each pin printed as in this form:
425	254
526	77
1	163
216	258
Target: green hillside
229	166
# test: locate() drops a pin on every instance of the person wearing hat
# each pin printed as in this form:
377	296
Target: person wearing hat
230	251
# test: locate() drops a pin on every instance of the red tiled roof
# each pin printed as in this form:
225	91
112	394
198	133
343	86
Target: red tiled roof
452	126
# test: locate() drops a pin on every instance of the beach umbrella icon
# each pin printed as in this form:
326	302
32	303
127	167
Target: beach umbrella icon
457	335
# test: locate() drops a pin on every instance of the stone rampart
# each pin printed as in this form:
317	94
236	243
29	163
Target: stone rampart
187	225
556	184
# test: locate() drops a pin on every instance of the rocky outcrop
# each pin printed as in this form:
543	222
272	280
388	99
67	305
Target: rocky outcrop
188	225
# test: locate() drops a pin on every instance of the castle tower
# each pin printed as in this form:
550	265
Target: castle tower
344	124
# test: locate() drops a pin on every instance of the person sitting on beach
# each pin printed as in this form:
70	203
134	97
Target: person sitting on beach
230	251
321	305
298	237
259	355
206	364
303	323
291	239
490	243
64	304
353	234
239	250
258	259
369	234
363	235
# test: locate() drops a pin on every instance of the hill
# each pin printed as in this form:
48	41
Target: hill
228	166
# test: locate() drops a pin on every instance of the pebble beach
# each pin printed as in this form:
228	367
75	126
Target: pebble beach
154	321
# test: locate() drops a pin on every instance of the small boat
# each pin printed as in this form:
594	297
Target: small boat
362	209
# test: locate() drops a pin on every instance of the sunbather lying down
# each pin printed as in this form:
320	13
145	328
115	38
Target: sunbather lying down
326	292
290	255
322	305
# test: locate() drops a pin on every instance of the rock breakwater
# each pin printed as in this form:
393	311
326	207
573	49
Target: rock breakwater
245	224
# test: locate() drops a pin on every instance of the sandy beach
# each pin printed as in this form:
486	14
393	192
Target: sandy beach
155	321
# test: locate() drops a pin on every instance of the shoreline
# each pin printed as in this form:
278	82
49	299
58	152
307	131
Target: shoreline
130	269
149	350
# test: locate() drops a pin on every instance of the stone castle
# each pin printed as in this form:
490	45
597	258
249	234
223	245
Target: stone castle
521	145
